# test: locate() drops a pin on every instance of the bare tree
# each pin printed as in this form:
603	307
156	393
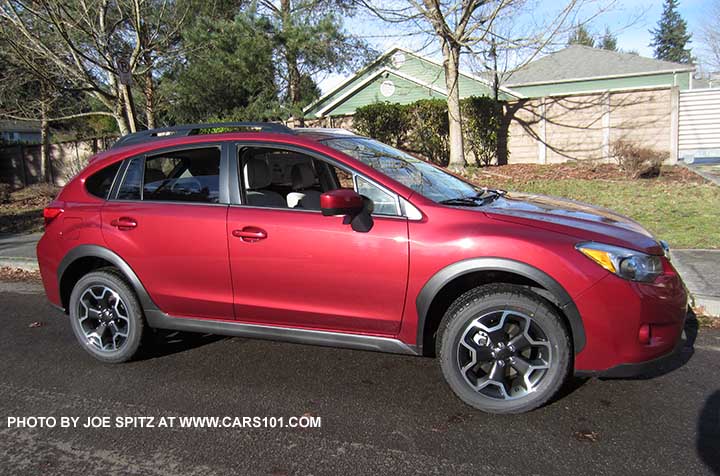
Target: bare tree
518	35
26	96
710	37
84	41
478	28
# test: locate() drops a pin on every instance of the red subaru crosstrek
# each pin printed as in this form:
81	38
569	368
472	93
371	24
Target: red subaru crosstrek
319	236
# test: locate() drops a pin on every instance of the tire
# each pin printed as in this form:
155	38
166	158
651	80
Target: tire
503	349
106	317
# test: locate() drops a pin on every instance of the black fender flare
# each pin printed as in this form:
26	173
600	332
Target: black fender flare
561	297
96	251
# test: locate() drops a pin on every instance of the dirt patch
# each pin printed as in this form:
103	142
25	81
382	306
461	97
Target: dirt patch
16	274
23	213
568	171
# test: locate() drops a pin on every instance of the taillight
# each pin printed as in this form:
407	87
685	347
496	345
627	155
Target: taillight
51	213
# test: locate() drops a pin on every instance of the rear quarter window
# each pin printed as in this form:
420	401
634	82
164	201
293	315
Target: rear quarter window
99	183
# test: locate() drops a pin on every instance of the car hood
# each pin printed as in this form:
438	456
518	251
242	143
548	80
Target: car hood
582	220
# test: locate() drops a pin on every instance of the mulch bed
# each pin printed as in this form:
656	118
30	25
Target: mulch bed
23	213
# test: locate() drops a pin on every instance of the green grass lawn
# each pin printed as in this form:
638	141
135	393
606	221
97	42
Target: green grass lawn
686	215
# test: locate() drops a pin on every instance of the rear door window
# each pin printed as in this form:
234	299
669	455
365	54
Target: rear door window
191	175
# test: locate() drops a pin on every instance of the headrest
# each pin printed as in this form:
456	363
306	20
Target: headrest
257	173
302	176
204	167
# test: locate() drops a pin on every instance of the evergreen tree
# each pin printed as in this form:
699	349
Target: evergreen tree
310	39
581	36
228	72
670	38
608	41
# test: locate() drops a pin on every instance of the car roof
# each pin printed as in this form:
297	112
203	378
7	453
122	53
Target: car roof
185	130
322	133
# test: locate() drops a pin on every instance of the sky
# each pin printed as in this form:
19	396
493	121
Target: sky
630	20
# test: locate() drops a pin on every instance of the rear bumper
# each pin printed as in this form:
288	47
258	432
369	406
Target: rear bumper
47	251
630	327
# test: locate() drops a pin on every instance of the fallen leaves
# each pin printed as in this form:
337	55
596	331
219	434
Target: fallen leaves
17	274
587	436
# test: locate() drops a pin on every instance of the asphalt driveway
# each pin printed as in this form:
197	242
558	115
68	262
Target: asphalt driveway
381	414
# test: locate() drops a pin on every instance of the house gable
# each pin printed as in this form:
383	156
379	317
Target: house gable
413	77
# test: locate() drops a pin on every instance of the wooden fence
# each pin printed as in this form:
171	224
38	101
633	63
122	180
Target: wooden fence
20	164
584	126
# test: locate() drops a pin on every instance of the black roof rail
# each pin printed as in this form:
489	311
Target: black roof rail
188	129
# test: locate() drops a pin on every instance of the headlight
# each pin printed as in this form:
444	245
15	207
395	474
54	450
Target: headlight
628	264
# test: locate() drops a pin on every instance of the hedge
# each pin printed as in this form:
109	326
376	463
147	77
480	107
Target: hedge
422	127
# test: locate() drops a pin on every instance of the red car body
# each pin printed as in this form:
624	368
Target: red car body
200	262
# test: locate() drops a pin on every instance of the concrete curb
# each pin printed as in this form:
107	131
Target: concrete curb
709	305
27	264
709	177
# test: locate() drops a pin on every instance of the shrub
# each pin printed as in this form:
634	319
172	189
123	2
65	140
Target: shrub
429	130
384	121
637	161
482	117
5	190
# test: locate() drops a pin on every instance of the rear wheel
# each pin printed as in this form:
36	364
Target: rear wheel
106	316
503	349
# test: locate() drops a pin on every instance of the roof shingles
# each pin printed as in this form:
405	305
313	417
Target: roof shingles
580	62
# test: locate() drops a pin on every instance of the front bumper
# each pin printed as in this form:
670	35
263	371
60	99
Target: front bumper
630	326
638	369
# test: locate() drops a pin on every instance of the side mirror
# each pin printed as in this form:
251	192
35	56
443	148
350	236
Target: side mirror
356	208
343	201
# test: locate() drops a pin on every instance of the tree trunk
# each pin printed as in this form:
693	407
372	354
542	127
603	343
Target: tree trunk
149	100
293	71
293	78
45	167
496	77
129	107
149	86
119	115
451	64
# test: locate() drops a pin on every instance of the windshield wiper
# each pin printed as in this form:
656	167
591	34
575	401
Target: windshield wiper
462	201
489	195
486	195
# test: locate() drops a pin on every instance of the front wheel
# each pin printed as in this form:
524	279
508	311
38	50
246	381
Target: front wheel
106	316
503	349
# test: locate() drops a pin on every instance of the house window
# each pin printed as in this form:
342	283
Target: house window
387	88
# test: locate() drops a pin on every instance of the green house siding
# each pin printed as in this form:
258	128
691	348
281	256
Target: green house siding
415	78
405	93
628	82
429	81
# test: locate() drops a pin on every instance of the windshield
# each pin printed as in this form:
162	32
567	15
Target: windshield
420	176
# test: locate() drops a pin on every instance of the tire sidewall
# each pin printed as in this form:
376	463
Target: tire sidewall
550	324
134	311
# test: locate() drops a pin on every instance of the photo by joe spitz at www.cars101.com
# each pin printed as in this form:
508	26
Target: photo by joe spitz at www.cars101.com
319	236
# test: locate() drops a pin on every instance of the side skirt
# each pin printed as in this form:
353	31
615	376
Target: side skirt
160	320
